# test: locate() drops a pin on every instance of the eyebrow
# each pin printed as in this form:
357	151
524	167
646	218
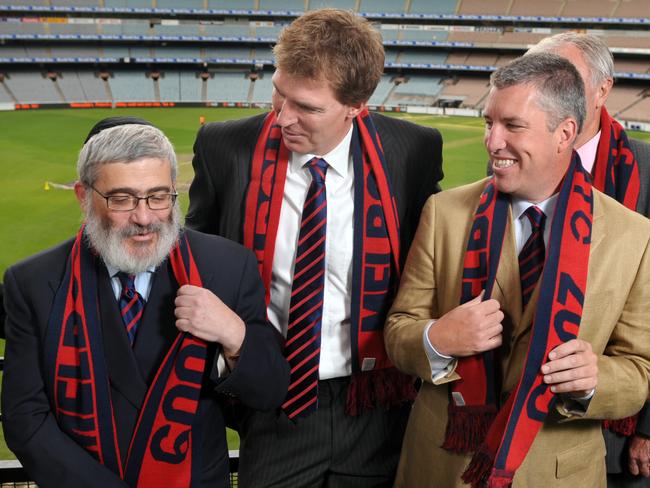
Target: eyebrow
303	105
133	191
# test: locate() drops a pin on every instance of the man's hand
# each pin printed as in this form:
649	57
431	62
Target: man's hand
572	368
639	456
469	329
201	313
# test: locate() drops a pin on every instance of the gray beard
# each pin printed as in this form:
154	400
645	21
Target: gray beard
108	242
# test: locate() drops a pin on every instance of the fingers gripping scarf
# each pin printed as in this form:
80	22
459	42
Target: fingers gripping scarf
161	451
500	436
375	259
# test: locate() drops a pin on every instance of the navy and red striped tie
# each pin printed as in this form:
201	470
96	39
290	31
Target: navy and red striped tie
531	257
131	305
306	307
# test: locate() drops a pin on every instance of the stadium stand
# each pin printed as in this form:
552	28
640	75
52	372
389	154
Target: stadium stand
382	91
415	90
549	8
32	87
429	7
427	57
483	7
640	111
468	92
261	89
229	87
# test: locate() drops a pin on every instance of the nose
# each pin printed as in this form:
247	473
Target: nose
494	139
286	116
142	214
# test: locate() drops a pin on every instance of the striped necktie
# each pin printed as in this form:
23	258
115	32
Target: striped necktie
306	307
131	305
531	257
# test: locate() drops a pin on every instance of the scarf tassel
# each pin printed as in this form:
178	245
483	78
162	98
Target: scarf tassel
385	387
467	427
625	427
478	470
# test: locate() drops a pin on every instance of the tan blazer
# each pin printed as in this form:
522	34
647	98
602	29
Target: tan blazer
569	450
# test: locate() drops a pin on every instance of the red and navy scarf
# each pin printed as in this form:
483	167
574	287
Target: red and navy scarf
162	451
376	259
616	173
500	436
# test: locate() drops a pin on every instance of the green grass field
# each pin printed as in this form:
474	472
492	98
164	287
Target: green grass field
38	150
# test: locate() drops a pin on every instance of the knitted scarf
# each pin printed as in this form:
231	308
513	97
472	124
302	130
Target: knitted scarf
376	261
616	173
500	436
162	449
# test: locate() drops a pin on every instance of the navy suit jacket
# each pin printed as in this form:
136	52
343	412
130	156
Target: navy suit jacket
50	456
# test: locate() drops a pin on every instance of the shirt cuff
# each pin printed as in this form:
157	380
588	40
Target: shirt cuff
222	366
441	365
576	406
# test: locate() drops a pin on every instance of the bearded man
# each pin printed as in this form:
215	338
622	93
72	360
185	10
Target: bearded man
125	342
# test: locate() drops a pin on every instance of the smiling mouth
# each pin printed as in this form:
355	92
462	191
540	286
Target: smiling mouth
503	163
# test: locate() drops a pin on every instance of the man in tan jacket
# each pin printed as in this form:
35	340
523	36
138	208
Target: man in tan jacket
519	369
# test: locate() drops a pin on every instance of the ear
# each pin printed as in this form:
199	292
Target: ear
80	192
603	92
566	133
354	110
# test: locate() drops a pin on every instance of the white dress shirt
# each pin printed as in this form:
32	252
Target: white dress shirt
335	353
588	152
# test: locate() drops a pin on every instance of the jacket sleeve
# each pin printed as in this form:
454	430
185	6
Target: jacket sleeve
201	214
50	457
261	375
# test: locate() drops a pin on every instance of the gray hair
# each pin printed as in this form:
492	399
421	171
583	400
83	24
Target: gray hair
594	51
560	89
123	144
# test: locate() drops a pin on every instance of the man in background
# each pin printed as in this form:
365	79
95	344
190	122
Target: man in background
620	167
328	196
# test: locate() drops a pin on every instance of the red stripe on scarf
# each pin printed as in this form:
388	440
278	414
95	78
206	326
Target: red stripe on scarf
557	317
264	198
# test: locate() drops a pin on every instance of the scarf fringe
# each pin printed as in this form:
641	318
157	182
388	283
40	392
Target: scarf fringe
625	427
467	427
478	470
387	388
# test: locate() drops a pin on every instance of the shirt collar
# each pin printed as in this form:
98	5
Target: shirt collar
112	271
338	158
520	205
587	152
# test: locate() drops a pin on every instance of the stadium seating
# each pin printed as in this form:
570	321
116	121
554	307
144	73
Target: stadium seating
228	87
429	7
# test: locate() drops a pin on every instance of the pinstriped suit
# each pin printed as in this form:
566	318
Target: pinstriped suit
274	451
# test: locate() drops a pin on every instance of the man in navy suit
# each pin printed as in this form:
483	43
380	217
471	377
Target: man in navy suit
124	343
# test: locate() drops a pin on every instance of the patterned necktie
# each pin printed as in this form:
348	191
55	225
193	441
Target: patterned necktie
306	307
531	257
131	305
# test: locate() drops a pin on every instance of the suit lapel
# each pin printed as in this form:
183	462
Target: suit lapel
123	370
507	278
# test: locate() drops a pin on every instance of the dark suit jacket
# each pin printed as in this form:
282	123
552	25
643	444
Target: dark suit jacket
223	153
51	458
616	445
